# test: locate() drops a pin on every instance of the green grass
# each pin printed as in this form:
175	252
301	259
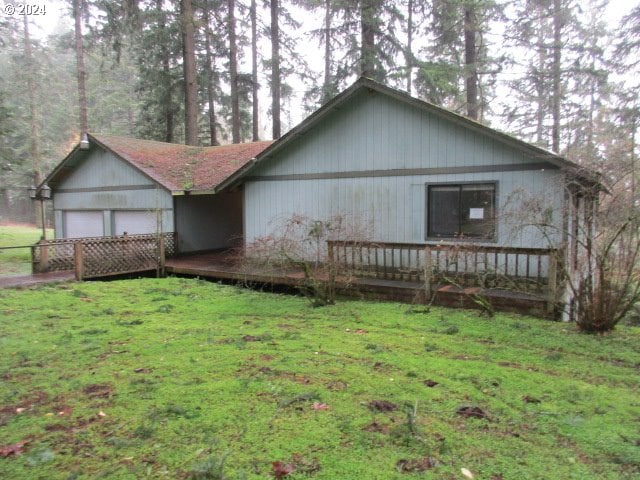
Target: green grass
179	378
17	261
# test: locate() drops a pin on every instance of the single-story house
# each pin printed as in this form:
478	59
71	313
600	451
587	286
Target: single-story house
410	171
109	185
413	172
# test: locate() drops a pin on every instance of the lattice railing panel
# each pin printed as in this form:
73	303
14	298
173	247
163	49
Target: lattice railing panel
118	256
138	250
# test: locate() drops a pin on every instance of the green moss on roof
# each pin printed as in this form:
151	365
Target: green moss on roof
182	167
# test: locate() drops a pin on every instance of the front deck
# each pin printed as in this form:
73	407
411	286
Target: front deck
522	280
222	265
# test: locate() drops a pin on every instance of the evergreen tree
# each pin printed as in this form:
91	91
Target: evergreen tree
189	70
275	68
79	11
157	51
459	59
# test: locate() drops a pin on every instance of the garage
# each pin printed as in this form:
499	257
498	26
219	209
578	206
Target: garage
83	223
134	222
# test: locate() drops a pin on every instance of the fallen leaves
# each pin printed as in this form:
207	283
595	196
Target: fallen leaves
14	449
297	464
418	465
377	427
320	406
281	469
430	383
469	411
98	390
382	406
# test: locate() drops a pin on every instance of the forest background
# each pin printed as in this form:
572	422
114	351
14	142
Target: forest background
562	74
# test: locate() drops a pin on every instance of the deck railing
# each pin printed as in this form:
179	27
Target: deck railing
465	264
103	256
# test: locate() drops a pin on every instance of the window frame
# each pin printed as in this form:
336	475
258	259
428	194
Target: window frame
493	239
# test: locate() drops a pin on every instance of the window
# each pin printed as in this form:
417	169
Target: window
466	210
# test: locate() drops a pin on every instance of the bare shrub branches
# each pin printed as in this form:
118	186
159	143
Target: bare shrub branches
299	246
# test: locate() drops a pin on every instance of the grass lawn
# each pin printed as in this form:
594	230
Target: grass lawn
181	378
17	261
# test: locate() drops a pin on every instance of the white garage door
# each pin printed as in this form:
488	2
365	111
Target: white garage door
134	222
83	224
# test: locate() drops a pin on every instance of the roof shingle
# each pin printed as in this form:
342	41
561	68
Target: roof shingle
182	167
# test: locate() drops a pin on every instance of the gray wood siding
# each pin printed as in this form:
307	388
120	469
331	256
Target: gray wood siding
392	209
206	222
378	133
102	168
374	133
104	182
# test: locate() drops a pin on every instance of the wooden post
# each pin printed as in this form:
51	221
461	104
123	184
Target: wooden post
552	284
161	254
35	266
44	256
78	260
332	264
428	271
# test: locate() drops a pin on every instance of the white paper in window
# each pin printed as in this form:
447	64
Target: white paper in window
476	213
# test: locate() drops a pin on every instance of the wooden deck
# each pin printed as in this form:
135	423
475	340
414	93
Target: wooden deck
222	266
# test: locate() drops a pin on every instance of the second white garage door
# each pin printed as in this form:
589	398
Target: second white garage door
134	222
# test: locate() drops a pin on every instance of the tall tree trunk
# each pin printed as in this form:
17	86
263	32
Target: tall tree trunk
166	76
275	69
471	61
34	144
409	53
327	87
82	91
557	88
254	72
367	32
210	74
233	74
189	68
540	97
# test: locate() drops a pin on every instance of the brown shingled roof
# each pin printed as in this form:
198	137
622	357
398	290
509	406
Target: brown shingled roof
182	167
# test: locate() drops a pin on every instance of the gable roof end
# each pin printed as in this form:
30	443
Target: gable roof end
177	168
577	172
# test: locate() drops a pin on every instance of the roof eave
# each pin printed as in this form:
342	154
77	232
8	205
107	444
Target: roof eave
155	179
60	167
336	102
295	132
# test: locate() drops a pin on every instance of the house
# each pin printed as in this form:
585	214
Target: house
111	185
409	171
414	172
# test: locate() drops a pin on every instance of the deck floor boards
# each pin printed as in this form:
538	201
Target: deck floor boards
222	266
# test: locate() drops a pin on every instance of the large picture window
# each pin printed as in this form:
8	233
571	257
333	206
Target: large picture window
463	210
